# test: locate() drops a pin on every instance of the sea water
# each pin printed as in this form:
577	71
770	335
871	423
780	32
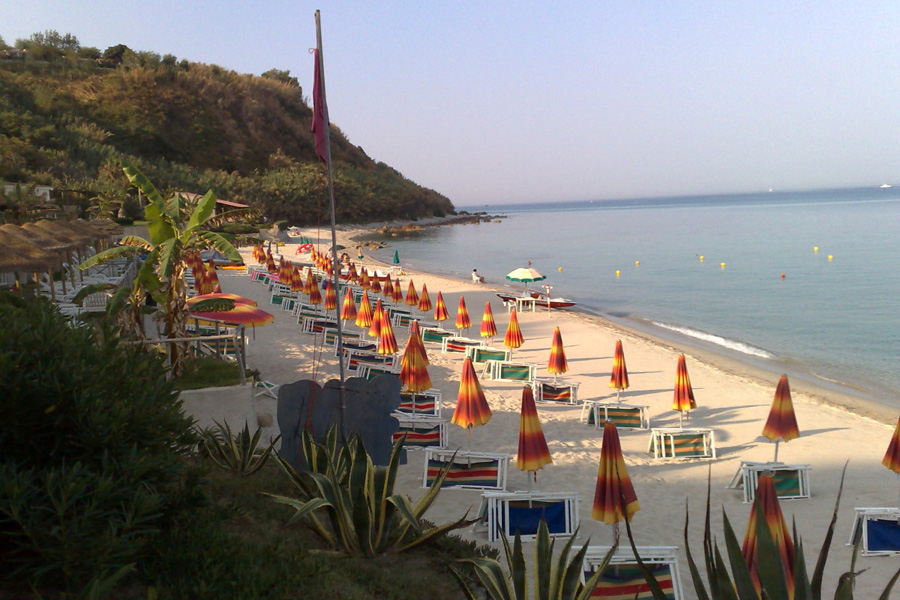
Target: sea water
736	273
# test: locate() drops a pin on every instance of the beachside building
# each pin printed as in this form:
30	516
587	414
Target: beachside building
41	192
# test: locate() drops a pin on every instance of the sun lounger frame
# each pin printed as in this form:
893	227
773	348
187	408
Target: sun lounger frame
540	382
494	370
747	477
443	456
420	423
369	371
430	333
662	443
458	344
482	354
861	521
592	407
495	508
624	556
409	402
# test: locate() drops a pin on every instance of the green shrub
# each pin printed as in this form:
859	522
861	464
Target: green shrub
92	438
124	220
239	228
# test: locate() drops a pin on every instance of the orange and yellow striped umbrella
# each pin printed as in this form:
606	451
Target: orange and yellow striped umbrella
364	317
240	314
472	408
440	309
388	289
557	363
330	296
397	294
310	284
376	285
259	254
364	281
387	343
377	320
315	296
270	263
348	308
533	452
684	394
462	315
619	377
412	297
766	501
782	422
892	457
513	338
413	365
614	489
296	280
488	326
424	300
219	296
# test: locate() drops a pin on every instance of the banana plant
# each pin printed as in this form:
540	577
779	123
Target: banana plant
350	503
554	579
177	228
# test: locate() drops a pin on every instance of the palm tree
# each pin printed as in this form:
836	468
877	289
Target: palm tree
177	228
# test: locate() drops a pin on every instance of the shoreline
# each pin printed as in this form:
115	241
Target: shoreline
839	395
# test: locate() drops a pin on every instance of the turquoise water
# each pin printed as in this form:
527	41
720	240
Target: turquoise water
834	320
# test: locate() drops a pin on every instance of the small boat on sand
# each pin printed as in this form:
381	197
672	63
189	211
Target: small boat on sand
540	300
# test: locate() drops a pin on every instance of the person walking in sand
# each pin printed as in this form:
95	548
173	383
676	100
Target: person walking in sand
476	278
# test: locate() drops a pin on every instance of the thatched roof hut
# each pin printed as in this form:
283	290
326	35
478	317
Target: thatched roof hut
17	255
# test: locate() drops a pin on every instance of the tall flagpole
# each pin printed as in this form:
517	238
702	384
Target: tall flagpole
322	120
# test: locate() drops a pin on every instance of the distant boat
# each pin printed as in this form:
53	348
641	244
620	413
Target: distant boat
542	300
885	186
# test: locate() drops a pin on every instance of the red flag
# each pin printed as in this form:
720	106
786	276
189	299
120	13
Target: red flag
320	120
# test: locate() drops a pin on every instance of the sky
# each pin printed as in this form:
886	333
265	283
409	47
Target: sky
507	102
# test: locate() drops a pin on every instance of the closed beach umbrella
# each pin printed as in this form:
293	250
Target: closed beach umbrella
270	263
462	315
782	422
533	452
684	393
557	363
377	320
766	503
310	284
525	275
472	409
413	366
619	377
315	296
396	257
424	300
348	308
412	297
488	326
330	296
440	309
397	294
891	458
513	338
614	489
364	316
376	285
387	343
364	282
296	281
388	289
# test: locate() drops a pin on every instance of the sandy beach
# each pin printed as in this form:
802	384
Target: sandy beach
732	399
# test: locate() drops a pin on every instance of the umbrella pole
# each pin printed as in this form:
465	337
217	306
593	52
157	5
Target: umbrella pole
681	424
776	450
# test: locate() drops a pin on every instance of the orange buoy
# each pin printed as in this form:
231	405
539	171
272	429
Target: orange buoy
782	275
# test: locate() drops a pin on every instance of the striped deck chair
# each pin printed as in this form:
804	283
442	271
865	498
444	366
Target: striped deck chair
497	370
421	431
330	338
434	335
317	324
682	443
467	470
482	354
260	276
562	391
421	403
623	580
458	344
880	531
369	371
791	481
358	347
511	512
625	416
356	358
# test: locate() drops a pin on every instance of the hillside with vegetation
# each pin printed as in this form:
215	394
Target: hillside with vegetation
70	115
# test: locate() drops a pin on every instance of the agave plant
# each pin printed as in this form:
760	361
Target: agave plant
553	580
774	582
240	453
362	515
